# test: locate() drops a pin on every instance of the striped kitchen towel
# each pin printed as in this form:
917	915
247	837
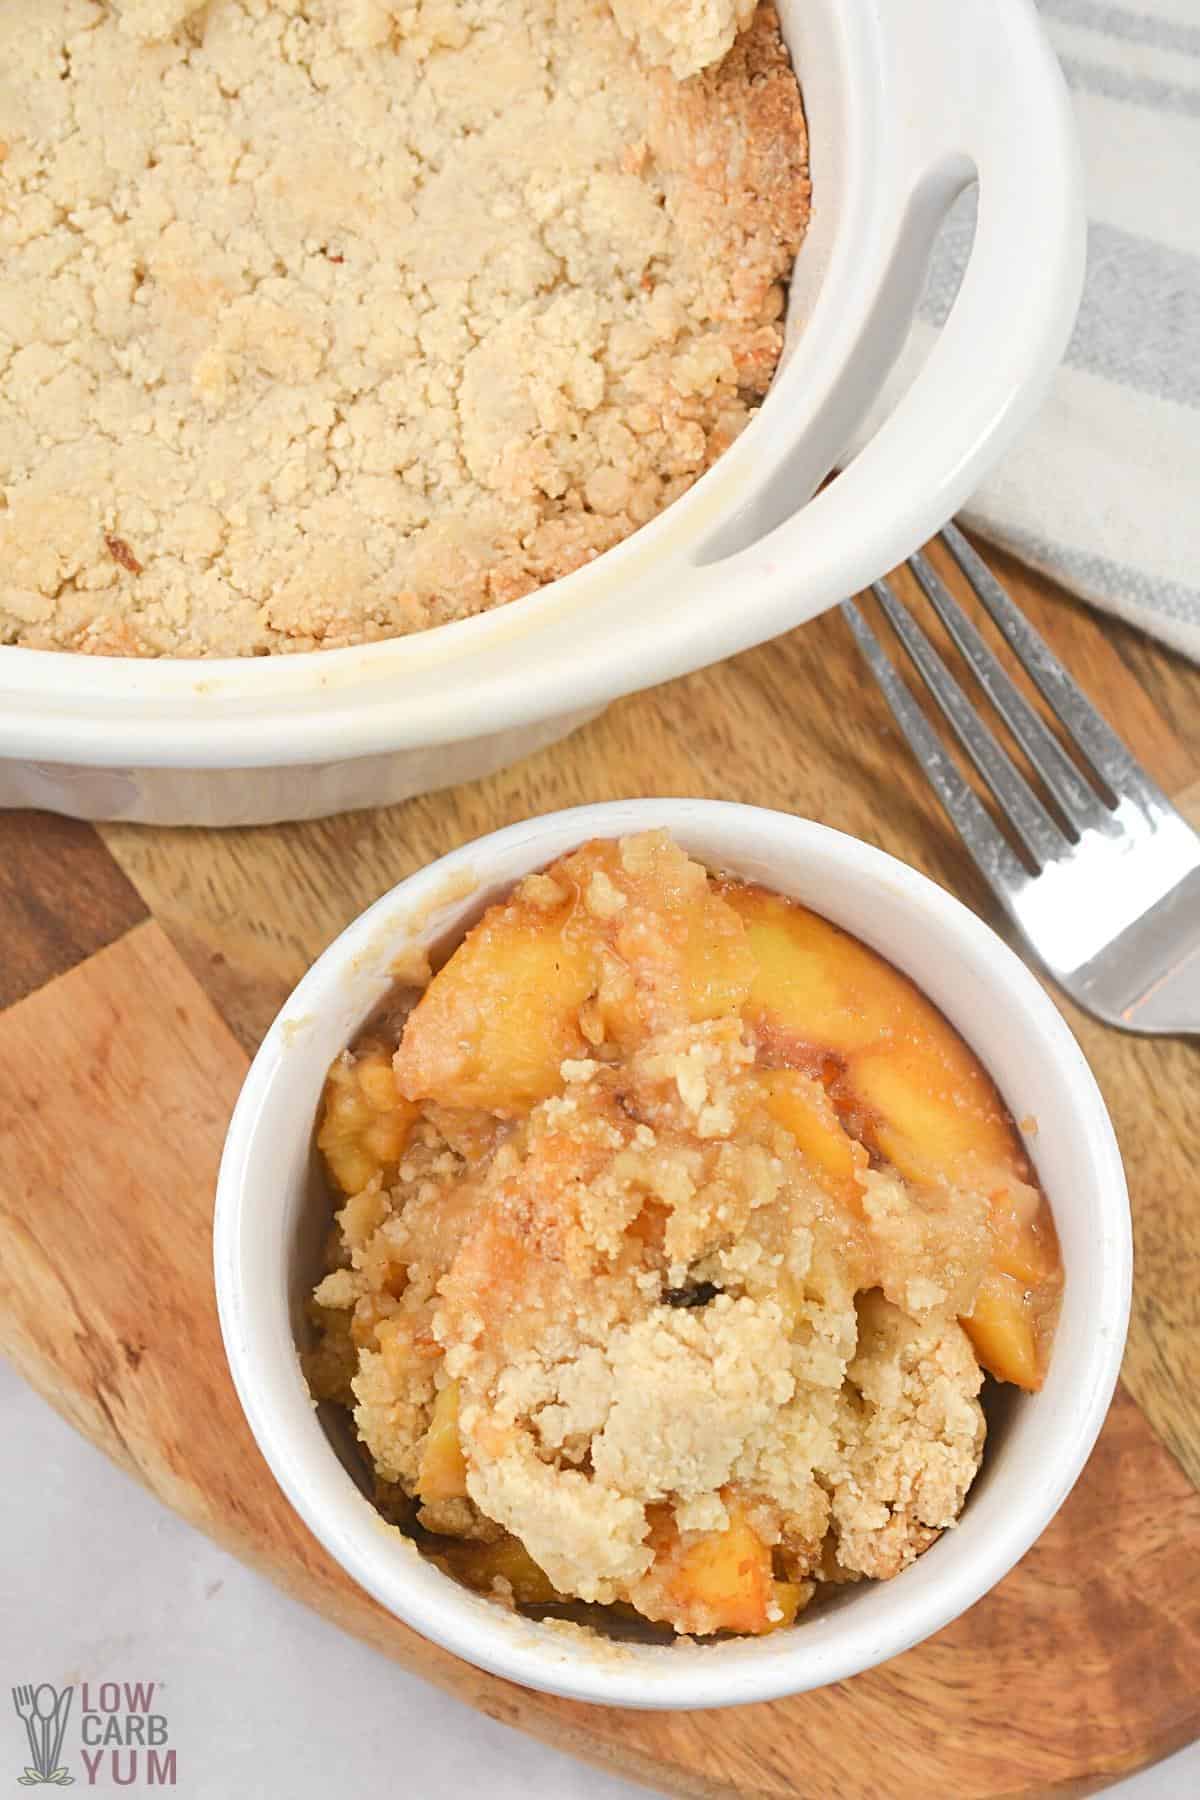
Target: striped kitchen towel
1103	490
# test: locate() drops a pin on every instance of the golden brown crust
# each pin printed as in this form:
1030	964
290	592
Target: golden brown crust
321	386
656	1323
732	141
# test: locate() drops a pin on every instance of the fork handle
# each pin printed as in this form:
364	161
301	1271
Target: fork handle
1169	1006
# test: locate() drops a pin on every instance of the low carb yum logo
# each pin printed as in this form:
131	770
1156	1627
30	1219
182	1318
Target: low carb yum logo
122	1738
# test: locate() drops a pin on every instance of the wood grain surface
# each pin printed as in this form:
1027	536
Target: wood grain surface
122	1061
61	898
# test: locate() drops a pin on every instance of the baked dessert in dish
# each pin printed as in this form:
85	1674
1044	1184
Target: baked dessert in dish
676	1233
327	324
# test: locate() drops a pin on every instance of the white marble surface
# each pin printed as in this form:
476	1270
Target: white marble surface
262	1699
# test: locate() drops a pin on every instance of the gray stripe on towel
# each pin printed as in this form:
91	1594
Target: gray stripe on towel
1118	22
1099	576
1121	84
1139	321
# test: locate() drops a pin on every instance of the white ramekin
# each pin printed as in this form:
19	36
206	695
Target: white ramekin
272	1215
908	102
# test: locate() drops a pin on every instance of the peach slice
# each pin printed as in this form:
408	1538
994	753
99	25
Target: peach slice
933	1113
722	1581
803	1107
914	1092
1024	1241
443	1470
1001	1328
365	1123
495	1024
629	935
926	1103
815	990
790	1597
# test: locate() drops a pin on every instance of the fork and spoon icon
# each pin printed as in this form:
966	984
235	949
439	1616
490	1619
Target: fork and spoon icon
44	1710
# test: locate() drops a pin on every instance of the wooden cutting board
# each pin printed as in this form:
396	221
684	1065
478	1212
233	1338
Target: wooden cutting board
140	967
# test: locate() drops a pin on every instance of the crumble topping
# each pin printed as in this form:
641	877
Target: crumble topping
333	322
635	1317
685	37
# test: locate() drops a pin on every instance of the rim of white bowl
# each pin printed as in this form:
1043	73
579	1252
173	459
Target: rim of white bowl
826	1648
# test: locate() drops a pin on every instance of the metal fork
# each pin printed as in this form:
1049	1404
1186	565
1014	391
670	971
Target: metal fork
1110	899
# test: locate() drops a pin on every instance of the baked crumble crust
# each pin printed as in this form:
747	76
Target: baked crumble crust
601	1312
330	323
685	37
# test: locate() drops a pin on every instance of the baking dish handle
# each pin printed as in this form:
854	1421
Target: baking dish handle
1005	120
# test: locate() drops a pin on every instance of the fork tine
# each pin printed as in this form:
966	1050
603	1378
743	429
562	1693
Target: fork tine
999	865
1077	801
1025	812
1110	758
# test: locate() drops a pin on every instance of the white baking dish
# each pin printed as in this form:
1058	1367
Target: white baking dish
908	101
272	1217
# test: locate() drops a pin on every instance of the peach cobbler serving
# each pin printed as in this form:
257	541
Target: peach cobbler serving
677	1233
332	321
